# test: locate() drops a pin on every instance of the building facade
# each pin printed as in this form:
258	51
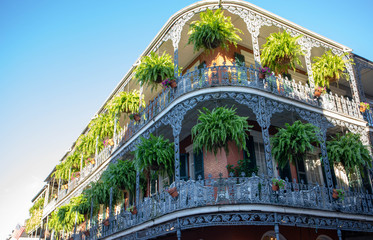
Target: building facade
213	204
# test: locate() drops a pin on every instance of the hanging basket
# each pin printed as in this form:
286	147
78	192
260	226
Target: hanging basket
159	79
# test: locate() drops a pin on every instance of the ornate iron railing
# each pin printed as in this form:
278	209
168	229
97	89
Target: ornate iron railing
234	75
234	191
242	76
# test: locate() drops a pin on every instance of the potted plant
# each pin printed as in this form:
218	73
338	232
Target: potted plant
349	151
155	154
281	52
218	130
135	116
338	194
126	102
108	142
264	72
293	142
329	68
154	68
65	186
173	192
92	160
132	209
122	175
106	222
319	91
213	30
364	106
169	82
277	184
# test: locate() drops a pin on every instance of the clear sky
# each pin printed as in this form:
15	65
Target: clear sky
59	61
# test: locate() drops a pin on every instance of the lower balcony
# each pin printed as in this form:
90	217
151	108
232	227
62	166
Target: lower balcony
239	201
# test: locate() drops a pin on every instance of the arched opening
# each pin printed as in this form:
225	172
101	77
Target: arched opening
271	235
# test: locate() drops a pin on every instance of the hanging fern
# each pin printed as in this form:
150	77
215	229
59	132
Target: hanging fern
293	142
329	67
121	175
36	212
349	151
125	102
156	153
281	52
213	30
216	128
154	68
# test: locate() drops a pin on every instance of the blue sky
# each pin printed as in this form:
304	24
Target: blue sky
59	61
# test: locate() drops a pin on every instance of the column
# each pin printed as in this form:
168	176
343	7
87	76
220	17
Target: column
177	158
328	174
353	86
263	117
176	61
137	188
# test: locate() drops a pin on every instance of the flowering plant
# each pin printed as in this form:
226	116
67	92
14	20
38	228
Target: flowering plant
279	182
365	104
320	89
265	70
167	82
341	193
108	142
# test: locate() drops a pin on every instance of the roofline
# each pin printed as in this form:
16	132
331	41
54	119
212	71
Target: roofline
39	193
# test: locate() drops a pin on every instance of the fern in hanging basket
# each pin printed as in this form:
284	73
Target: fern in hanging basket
213	30
155	153
329	68
293	142
125	102
350	152
122	175
281	52
154	69
214	129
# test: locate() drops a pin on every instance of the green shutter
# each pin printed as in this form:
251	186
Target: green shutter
239	58
184	166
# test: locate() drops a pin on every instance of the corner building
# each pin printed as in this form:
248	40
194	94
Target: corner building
213	204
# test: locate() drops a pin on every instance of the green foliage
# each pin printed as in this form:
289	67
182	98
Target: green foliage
279	48
329	66
243	166
214	129
155	153
36	212
154	68
63	218
39	204
103	127
72	162
213	30
125	102
80	204
279	182
121	175
293	142
349	151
